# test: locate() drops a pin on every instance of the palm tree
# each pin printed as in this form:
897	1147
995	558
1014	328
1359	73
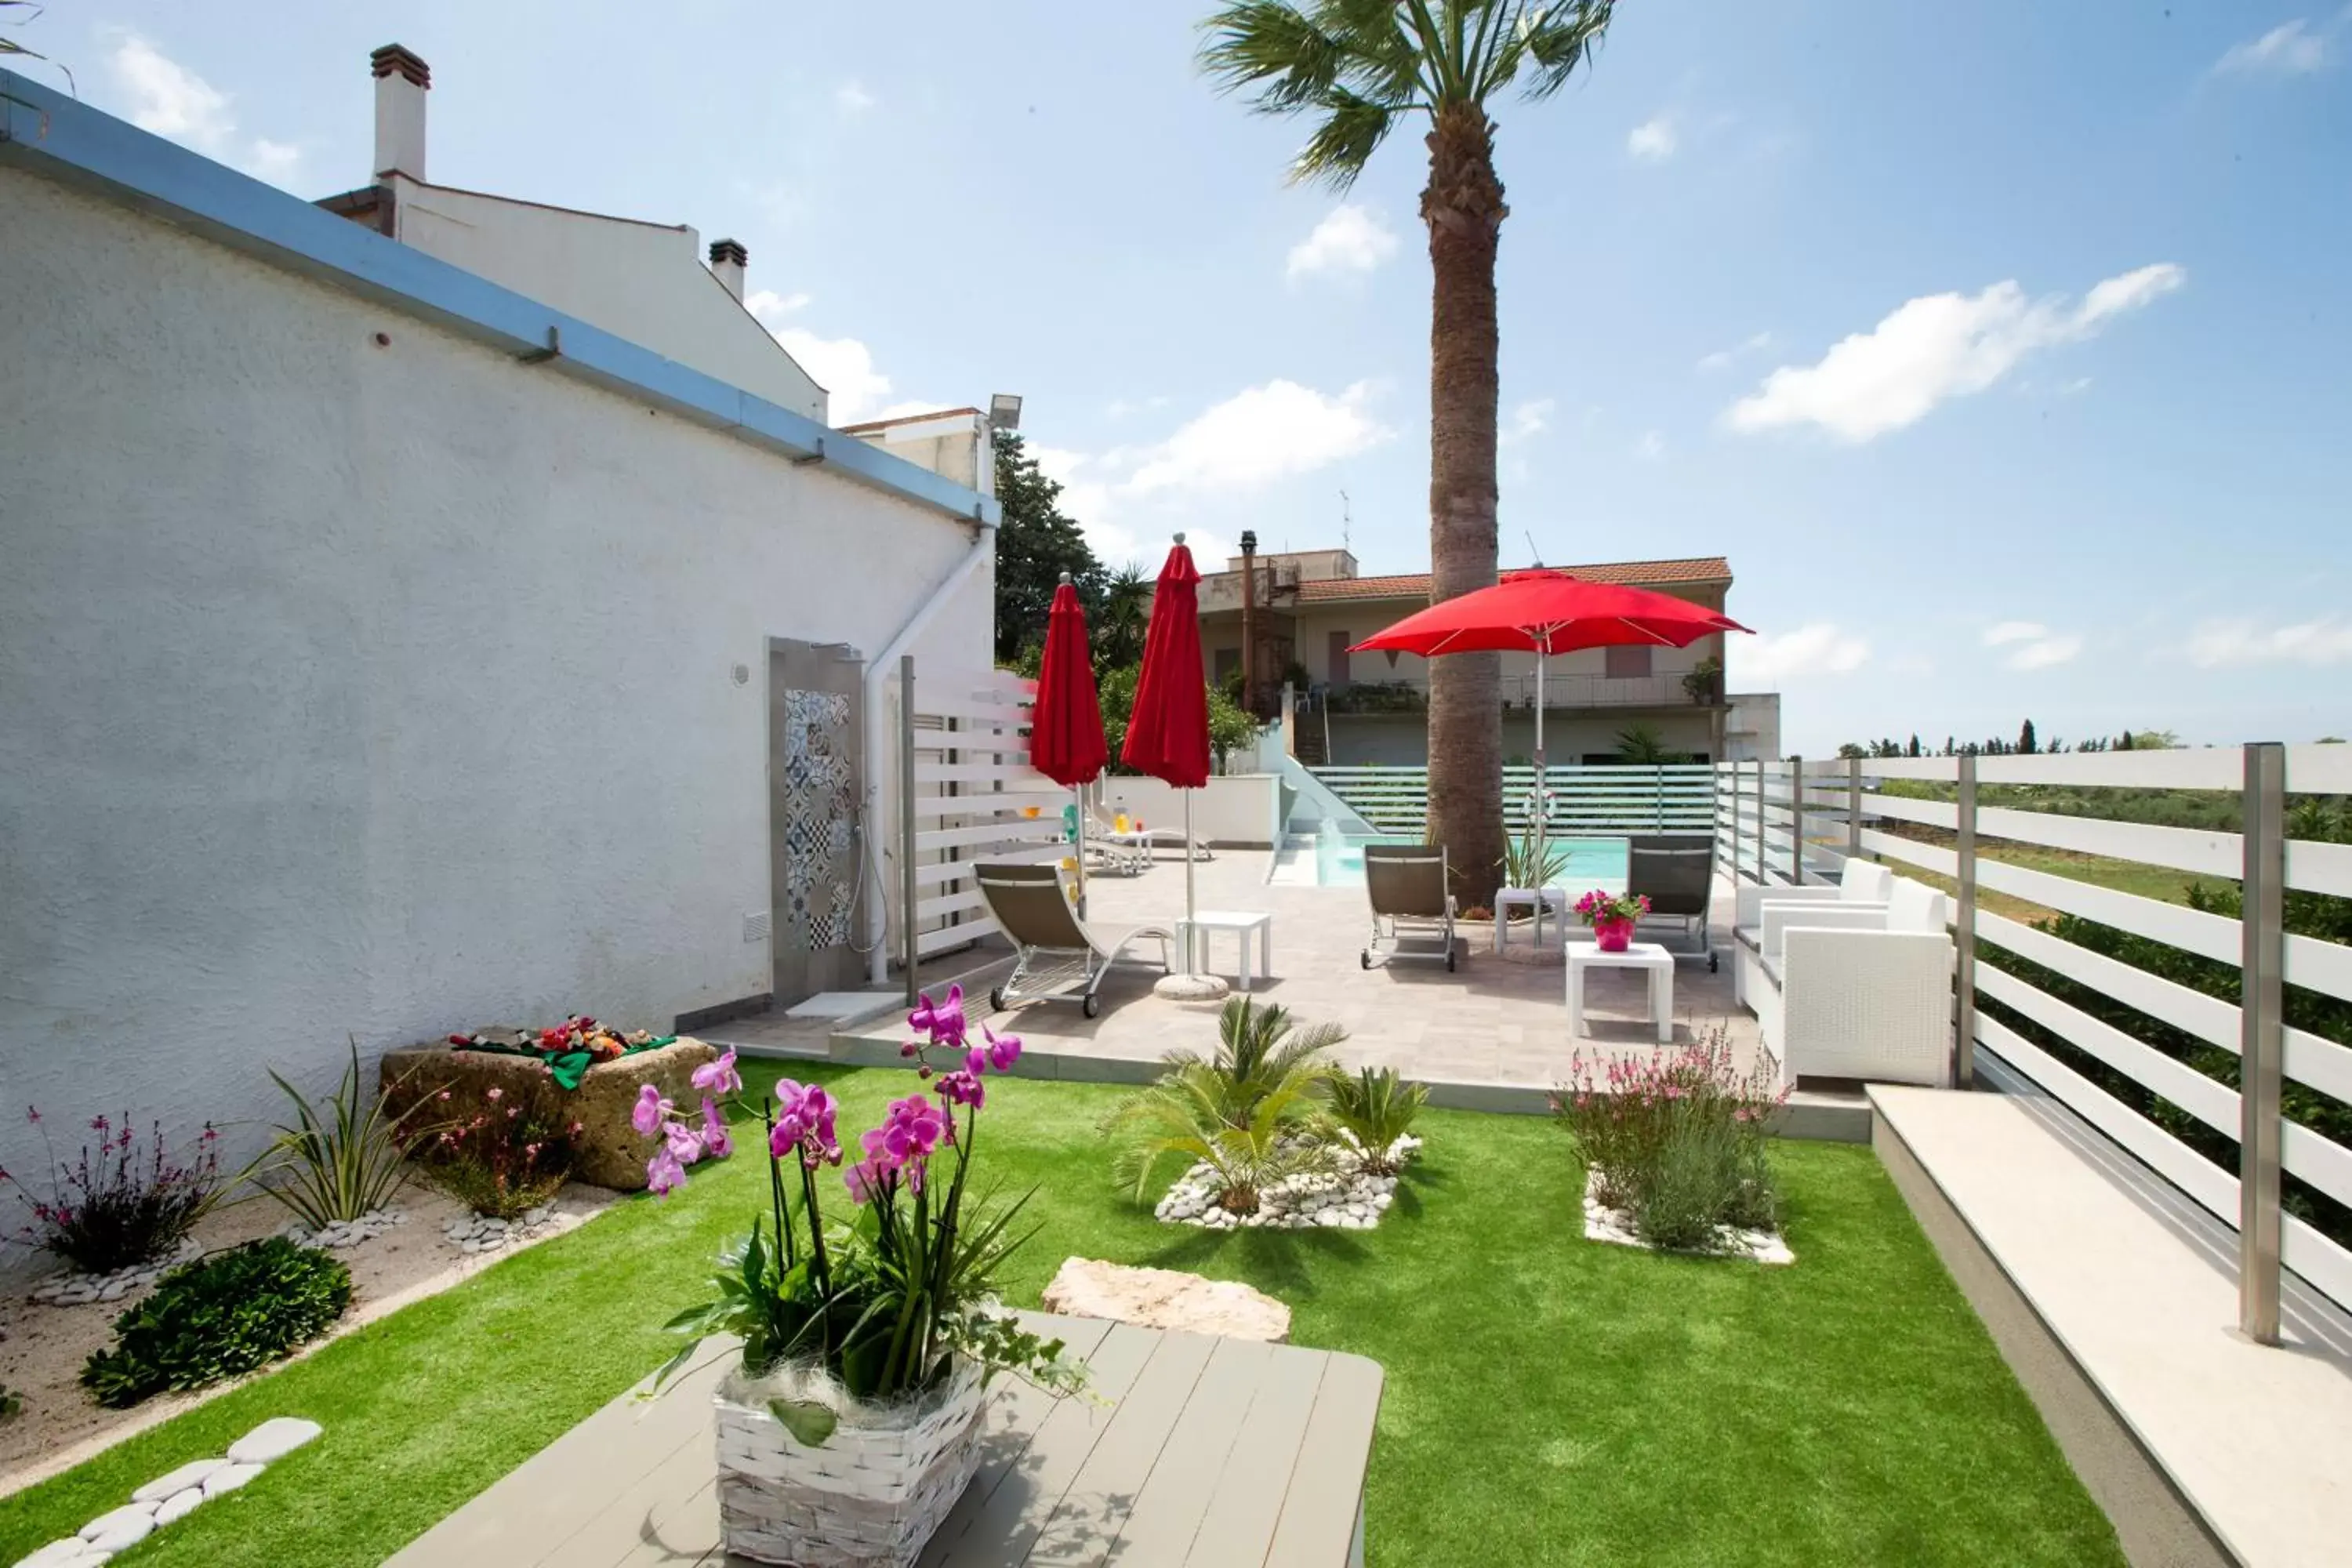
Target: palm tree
1359	66
1125	611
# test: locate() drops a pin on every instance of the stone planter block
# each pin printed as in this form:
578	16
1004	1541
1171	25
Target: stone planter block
611	1155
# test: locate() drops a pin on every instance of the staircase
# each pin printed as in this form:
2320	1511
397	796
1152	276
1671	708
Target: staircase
1309	742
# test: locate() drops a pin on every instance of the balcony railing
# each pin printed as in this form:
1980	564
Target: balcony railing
1560	692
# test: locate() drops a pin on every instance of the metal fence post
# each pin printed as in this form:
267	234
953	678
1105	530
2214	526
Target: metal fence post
1964	1010
1853	808
1759	822
907	815
2262	1042
1796	822
1734	821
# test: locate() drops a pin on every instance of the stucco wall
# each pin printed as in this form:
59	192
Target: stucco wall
642	281
1236	809
349	688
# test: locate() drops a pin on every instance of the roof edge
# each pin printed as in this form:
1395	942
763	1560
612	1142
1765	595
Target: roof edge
58	138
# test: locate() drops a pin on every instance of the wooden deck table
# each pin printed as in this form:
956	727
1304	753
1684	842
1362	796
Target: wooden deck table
1194	1450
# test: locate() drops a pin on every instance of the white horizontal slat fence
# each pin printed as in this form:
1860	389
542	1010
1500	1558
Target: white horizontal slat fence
2153	1050
1601	800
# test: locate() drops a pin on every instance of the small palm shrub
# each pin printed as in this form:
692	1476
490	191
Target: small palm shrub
332	1163
1524	866
1249	1113
1676	1141
125	1201
217	1318
1374	1109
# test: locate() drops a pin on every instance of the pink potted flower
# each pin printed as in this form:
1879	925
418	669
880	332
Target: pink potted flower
1612	917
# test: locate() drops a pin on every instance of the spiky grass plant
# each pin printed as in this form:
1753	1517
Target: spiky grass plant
334	1162
1375	1108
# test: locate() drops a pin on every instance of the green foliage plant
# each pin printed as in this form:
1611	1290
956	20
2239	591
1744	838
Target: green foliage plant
1375	1106
1526	866
1676	1141
335	1161
220	1317
512	1154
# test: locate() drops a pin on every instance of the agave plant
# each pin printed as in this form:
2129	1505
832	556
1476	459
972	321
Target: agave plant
1245	1113
1524	866
334	1163
1375	1107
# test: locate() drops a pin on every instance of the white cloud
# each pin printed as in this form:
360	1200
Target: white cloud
2219	642
1651	447
851	98
2032	645
1258	436
770	307
2291	48
168	98
1653	141
1529	420
1821	648
1121	407
1932	348
1722	359
1255	439
844	367
1350	239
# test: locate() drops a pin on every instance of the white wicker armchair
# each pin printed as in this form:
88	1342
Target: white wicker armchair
1864	883
1854	990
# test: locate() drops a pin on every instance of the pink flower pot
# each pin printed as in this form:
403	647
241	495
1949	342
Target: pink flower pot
1613	936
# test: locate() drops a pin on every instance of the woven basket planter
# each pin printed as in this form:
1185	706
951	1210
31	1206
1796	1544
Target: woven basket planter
870	1497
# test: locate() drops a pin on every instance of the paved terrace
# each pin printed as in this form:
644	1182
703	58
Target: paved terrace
1492	1034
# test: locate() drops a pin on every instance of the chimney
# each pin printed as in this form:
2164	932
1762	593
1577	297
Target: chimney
1249	619
400	82
727	261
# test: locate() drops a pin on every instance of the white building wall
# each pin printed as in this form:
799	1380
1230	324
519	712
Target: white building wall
364	690
642	281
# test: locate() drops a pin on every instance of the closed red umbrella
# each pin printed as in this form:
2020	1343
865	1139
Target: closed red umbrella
1549	612
1168	732
1065	729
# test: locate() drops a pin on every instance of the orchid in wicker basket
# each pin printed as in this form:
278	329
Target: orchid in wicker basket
888	1302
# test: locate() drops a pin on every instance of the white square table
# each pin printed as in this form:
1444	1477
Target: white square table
1204	923
1555	901
1645	955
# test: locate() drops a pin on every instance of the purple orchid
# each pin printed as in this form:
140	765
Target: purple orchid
1004	1050
650	1112
943	1021
715	1139
718	1077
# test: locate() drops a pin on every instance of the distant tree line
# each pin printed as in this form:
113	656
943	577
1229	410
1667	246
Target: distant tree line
2028	743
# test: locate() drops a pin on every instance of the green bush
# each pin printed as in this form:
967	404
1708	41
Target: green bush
218	1317
1375	1107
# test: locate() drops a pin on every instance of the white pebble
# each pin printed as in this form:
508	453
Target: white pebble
178	1506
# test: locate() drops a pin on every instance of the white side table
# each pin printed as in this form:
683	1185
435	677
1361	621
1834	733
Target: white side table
1554	901
1644	955
1205	924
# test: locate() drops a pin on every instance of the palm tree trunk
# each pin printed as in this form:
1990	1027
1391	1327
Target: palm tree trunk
1463	206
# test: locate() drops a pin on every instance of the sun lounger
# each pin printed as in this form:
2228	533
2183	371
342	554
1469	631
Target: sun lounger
1407	886
1129	849
1676	873
1057	959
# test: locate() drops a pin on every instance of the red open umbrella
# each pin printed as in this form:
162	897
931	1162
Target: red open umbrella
1549	612
1066	730
1168	732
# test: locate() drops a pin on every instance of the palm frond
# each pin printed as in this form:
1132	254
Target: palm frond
1352	62
1549	42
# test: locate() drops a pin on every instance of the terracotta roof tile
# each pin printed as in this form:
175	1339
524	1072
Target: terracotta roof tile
1415	585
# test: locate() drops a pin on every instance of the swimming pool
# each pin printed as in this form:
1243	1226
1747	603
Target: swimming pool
1592	862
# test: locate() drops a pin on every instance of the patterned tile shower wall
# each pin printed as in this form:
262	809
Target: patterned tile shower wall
820	805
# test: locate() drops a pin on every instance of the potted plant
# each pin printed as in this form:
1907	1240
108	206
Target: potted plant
1612	917
852	1423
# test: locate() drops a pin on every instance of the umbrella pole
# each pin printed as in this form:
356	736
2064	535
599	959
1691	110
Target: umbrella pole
1543	779
1192	937
1078	803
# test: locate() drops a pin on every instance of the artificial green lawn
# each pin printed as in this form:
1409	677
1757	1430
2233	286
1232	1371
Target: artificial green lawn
1549	1400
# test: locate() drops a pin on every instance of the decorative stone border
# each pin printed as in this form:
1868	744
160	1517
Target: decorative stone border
173	1497
79	1290
339	1234
485	1233
1616	1228
1341	1200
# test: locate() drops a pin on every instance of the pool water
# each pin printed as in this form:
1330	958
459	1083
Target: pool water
1590	862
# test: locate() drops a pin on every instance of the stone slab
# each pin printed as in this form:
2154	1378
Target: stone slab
193	1474
1165	1299
610	1153
273	1439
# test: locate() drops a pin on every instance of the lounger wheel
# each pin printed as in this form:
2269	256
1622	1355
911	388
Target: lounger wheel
1714	962
1450	960
1091	1006
1366	956
996	1000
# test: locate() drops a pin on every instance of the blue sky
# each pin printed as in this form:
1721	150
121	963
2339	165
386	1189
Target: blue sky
2003	348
